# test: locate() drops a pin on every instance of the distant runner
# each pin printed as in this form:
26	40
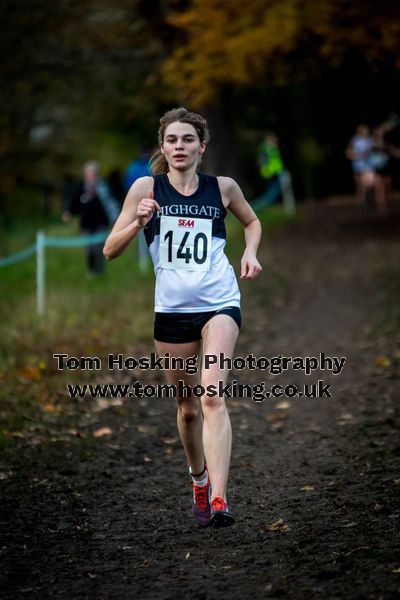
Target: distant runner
358	151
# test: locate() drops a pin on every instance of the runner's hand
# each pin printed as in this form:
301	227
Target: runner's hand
250	267
146	208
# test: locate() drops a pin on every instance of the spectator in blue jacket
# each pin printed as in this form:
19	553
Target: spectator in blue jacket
140	167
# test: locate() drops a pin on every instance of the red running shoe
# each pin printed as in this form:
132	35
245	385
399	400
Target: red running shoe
201	503
220	515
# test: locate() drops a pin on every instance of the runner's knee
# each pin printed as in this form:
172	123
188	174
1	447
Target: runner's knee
188	411
211	405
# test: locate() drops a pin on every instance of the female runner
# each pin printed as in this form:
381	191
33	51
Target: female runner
197	299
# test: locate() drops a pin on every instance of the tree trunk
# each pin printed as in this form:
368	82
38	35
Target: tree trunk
221	156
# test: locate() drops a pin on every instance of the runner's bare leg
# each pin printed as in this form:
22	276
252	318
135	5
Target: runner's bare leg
219	336
189	416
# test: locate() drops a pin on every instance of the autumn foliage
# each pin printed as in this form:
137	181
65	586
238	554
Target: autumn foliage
221	42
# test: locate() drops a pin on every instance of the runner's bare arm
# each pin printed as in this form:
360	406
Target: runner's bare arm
235	201
137	211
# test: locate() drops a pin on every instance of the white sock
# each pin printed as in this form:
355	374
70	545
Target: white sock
197	480
202	482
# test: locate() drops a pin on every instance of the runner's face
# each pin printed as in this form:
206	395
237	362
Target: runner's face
181	146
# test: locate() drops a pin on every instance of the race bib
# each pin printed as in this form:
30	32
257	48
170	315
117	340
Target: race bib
185	243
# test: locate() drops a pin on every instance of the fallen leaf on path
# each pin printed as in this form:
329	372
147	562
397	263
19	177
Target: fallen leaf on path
277	416
121	412
49	407
383	361
278	525
150	429
31	373
346	416
345	419
283	405
187	556
102	431
307	488
277	426
314	429
170	440
104	403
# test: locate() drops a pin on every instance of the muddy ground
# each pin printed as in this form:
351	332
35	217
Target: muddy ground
314	483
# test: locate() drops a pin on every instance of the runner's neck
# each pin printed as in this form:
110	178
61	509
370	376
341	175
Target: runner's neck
185	183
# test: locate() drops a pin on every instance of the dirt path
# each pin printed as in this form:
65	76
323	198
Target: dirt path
315	483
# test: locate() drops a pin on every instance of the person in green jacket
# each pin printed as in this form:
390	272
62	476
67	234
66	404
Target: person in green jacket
269	157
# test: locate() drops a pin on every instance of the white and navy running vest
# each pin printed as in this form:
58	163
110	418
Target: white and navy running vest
186	241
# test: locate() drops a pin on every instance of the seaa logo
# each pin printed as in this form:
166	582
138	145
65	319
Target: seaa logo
185	222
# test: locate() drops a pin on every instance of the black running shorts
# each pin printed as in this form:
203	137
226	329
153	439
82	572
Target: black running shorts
178	328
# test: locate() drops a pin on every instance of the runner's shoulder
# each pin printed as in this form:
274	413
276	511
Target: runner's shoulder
226	184
145	182
141	187
229	188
